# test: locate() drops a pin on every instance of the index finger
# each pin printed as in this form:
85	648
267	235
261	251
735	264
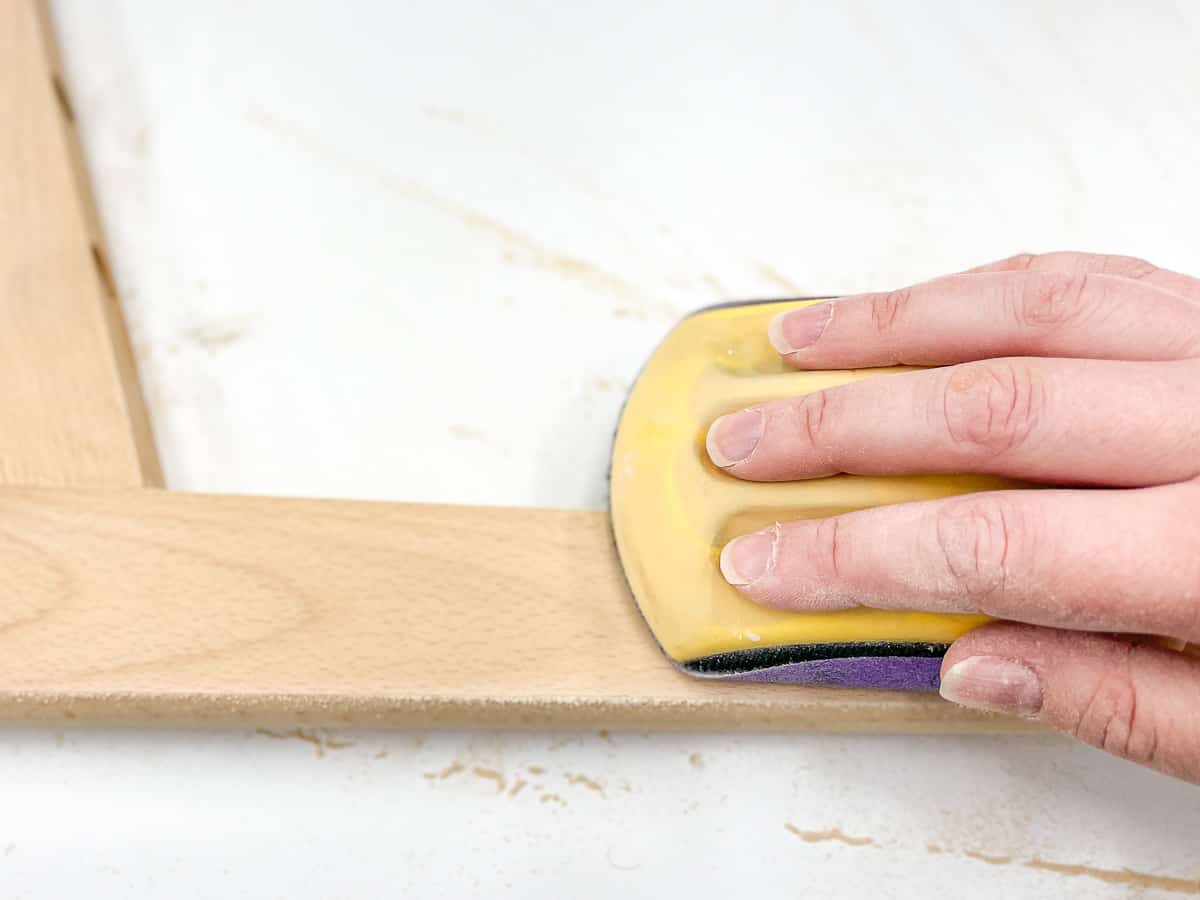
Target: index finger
1074	263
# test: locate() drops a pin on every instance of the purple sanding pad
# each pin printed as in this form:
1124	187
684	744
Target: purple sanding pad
896	673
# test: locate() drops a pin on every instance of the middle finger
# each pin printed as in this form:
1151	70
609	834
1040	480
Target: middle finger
1054	420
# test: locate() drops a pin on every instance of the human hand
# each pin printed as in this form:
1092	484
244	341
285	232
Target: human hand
1065	368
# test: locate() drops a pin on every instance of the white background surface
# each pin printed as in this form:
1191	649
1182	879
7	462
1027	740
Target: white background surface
416	252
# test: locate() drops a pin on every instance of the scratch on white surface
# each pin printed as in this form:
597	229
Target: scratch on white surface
774	277
622	867
466	433
215	336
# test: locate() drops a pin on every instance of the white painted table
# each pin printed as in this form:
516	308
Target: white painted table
416	252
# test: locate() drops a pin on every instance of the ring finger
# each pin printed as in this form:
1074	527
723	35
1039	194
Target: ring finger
1114	561
1053	420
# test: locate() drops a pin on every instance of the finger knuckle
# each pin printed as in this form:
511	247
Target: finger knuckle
888	310
991	408
1126	266
977	540
1184	620
812	413
829	546
1109	719
1050	299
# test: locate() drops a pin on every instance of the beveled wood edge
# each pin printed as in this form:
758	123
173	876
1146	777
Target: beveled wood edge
114	317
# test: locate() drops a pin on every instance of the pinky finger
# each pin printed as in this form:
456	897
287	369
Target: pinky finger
1134	700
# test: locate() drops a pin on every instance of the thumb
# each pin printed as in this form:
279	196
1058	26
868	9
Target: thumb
1138	701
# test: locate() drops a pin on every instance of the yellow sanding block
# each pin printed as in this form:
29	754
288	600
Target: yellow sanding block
673	510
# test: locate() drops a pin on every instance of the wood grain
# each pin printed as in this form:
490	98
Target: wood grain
152	607
72	411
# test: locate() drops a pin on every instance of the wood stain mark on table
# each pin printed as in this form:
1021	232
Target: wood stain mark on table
590	783
1131	877
990	860
535	253
318	741
773	275
833	834
453	769
1123	876
627	212
491	775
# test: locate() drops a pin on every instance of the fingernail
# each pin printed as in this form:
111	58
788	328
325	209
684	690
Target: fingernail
747	559
799	328
731	439
993	683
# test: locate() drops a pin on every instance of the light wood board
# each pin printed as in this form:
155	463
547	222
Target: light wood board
72	411
149	606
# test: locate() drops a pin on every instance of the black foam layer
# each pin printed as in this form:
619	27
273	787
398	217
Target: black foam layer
736	662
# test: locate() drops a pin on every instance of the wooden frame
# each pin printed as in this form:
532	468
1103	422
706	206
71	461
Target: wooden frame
122	602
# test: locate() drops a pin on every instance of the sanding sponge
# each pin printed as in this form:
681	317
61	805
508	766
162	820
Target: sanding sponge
673	510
